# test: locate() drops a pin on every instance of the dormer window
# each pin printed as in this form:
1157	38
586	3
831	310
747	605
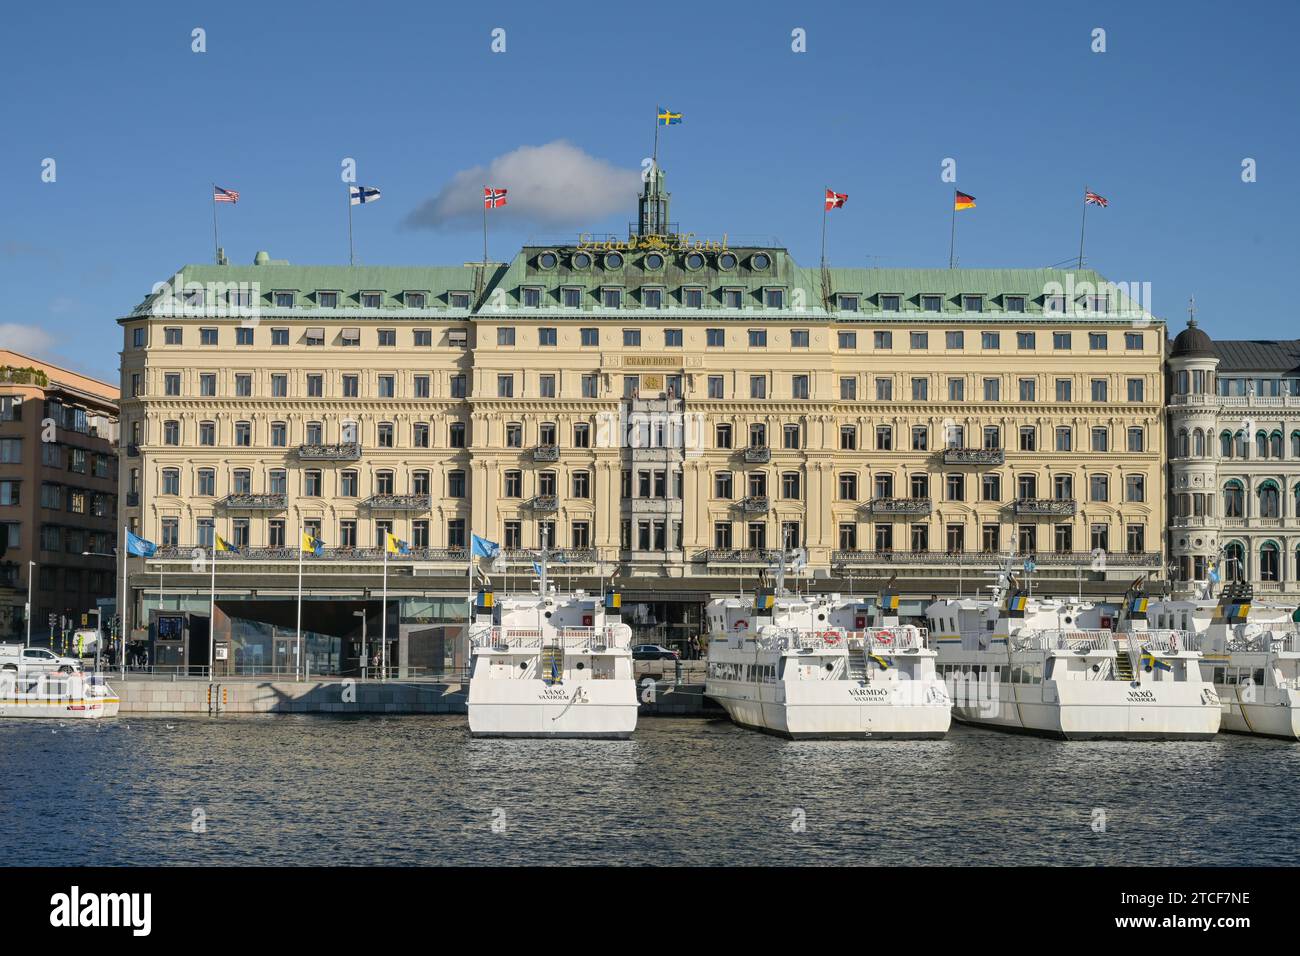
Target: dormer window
193	298
972	303
931	303
848	303
458	300
532	297
652	298
571	297
414	300
327	300
1054	303
1014	303
891	303
774	298
732	298
1095	303
371	300
693	297
611	298
283	300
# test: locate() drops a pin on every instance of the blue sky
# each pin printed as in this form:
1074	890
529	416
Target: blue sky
139	126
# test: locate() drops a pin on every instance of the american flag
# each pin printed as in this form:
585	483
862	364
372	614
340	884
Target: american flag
1095	200
493	197
834	200
224	195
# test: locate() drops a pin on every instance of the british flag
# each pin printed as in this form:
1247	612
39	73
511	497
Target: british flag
1095	200
224	195
492	198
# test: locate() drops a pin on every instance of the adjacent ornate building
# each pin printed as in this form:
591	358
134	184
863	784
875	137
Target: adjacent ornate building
1234	460
665	410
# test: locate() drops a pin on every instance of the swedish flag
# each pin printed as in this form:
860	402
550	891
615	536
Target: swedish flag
1150	662
668	118
884	662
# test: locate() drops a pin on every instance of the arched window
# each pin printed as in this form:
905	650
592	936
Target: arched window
1295	444
1180	444
1239	444
1225	445
1234	562
1270	500
1261	445
1270	563
1198	443
1275	445
1234	500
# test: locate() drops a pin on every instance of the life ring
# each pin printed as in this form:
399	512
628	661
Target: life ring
740	624
830	638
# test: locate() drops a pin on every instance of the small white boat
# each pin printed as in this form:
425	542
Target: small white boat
810	667
1048	667
550	664
53	694
1252	653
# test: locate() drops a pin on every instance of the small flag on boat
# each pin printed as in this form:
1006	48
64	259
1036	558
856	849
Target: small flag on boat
1151	662
764	600
537	569
884	662
613	601
485	599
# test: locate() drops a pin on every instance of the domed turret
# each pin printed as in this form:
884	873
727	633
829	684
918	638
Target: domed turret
1192	342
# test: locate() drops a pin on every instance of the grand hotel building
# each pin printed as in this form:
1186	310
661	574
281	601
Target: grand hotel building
654	408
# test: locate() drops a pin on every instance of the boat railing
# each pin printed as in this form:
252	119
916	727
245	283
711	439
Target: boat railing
1060	639
903	638
499	637
1279	641
1166	641
874	639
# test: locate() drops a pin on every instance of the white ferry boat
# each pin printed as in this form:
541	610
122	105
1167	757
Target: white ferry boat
1252	653
53	694
549	664
811	667
1045	666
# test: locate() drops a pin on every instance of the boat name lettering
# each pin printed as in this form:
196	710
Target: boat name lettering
1141	696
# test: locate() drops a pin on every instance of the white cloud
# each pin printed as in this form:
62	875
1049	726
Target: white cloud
551	185
26	339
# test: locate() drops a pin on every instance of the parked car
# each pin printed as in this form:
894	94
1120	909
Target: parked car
16	657
653	652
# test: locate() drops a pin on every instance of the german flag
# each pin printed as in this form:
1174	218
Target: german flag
962	201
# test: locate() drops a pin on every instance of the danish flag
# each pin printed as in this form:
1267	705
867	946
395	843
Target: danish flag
493	197
834	200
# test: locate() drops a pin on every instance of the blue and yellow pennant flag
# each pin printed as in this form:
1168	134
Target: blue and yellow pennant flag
1151	662
312	545
395	545
668	118
613	601
221	544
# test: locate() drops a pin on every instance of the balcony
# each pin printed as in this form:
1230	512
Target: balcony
898	506
757	455
755	505
762	556
338	451
250	502
414	503
455	556
991	560
546	453
545	504
555	556
1051	507
974	456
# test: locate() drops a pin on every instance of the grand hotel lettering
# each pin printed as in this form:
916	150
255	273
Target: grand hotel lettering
676	242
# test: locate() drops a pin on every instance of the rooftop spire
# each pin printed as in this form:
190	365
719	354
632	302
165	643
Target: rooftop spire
652	206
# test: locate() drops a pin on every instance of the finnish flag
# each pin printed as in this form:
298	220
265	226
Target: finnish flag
363	194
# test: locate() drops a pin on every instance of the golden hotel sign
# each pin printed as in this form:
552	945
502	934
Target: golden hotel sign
675	242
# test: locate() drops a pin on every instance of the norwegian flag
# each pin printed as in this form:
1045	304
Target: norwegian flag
492	198
835	200
1095	200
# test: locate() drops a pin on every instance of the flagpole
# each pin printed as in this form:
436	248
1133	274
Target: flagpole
383	621
299	655
121	549
952	238
212	607
485	232
655	154
1083	222
351	259
825	206
216	245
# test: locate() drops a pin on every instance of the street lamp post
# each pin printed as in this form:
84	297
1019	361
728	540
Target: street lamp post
31	570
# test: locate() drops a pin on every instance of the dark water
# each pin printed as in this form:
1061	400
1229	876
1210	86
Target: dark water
419	790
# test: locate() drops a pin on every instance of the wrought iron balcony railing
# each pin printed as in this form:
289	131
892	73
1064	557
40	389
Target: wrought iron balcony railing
899	506
338	451
399	502
974	456
1045	506
545	503
757	454
559	556
457	556
990	559
252	502
755	504
738	556
546	453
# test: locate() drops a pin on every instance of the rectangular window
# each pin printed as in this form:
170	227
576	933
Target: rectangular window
505	336
799	338
972	303
884	389
1061	341
173	336
882	340
992	389
547	337
1135	390
1097	341
1026	341
956	389
650	298
931	303
990	340
1014	303
673	338
207	336
1028	389
758	386
920	389
243	336
693	298
1133	341
891	303
589	337
757	338
279	336
848	389
1064	389
774	298
532	297
1099	390
505	386
799	386
955	340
